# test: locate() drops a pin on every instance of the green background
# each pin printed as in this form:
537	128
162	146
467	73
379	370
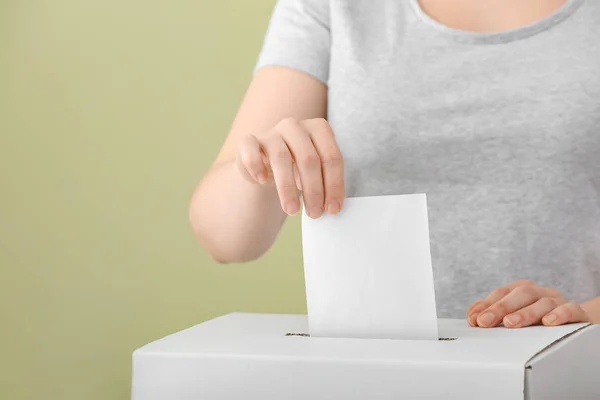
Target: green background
110	113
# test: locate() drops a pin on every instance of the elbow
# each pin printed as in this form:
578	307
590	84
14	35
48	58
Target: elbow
223	248
212	246
227	258
216	256
227	252
219	258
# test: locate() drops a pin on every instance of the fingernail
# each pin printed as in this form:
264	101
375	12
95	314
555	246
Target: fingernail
315	212
513	319
333	208
486	319
550	319
292	207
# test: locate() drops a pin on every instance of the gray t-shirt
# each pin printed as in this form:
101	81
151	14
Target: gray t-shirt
502	131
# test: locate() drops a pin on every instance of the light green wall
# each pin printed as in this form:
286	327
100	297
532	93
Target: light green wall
110	111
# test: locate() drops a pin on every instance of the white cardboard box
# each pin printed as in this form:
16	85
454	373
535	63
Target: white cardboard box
262	357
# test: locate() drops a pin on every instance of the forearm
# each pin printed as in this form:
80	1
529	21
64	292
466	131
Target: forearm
233	219
592	308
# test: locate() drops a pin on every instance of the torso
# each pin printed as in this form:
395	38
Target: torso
500	129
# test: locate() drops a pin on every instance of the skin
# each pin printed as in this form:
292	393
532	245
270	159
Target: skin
489	16
235	212
281	152
523	303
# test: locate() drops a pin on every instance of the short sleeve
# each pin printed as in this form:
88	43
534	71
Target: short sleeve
298	37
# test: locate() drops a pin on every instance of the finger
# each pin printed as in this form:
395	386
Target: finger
566	314
533	314
499	293
332	163
250	159
280	159
308	163
297	177
481	305
518	298
495	296
474	311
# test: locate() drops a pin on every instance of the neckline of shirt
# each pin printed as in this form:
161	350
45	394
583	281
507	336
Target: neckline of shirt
469	37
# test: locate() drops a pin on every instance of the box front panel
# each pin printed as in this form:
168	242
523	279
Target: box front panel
225	378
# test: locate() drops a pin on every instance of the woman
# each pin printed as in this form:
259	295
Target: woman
491	107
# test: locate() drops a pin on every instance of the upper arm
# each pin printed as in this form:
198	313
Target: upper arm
291	73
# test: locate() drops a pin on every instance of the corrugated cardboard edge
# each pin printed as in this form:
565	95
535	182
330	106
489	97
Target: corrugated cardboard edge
528	364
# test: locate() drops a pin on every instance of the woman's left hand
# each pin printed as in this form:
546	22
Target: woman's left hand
524	303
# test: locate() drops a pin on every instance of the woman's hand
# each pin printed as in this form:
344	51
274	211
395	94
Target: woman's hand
523	303
297	155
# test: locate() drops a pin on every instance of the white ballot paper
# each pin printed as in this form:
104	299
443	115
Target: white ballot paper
368	270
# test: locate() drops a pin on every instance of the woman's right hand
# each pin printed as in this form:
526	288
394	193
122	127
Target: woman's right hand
297	155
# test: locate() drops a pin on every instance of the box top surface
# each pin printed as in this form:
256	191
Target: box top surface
265	336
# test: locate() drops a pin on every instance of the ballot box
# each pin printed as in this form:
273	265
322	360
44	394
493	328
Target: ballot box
272	357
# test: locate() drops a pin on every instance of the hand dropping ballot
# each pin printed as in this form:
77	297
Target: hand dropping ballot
368	270
369	278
